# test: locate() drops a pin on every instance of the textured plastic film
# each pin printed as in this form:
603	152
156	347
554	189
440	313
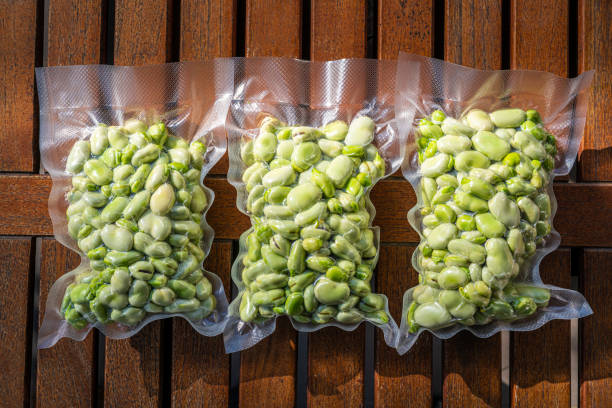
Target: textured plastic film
309	94
192	99
426	84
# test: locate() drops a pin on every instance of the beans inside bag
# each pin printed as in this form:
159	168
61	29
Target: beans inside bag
482	150
127	149
307	142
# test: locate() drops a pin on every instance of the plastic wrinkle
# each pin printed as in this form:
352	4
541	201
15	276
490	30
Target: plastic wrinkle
308	94
426	84
191	98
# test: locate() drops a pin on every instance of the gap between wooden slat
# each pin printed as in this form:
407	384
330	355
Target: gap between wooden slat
35	265
505	369
234	384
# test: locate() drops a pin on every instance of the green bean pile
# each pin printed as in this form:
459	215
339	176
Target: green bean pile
135	211
485	210
311	251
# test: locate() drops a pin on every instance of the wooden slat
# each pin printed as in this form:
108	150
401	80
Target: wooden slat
404	26
74	30
596	364
267	370
69	365
17	60
406	378
208	30
274	28
335	368
472	369
543	45
337	29
132	370
583	218
15	284
200	368
594	38
541	364
473	33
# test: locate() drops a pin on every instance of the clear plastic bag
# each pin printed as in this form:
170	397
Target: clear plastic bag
274	93
425	85
191	100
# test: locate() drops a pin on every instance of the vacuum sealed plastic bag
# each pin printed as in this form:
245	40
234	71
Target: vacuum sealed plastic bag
307	141
127	149
483	148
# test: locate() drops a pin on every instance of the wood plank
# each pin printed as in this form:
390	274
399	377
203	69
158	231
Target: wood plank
69	365
541	365
208	30
472	371
596	347
15	310
404	26
335	367
594	38
578	220
132	370
398	379
543	45
473	33
267	370
142	32
74	31
17	61
274	28
200	368
337	29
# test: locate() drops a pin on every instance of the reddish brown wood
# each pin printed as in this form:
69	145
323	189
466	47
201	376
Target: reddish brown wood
472	371
595	35
69	365
541	364
583	217
208	30
142	32
335	368
406	378
200	367
74	32
17	60
538	35
274	28
15	286
596	347
267	370
337	29
404	26
473	33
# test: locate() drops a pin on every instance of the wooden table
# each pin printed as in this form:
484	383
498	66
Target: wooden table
168	363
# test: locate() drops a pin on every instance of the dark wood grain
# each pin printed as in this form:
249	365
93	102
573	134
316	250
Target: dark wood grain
472	371
200	367
404	26
539	35
69	365
596	347
15	285
142	32
17	60
594	38
335	367
406	378
208	30
337	29
473	33
267	370
541	364
74	32
578	220
273	28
